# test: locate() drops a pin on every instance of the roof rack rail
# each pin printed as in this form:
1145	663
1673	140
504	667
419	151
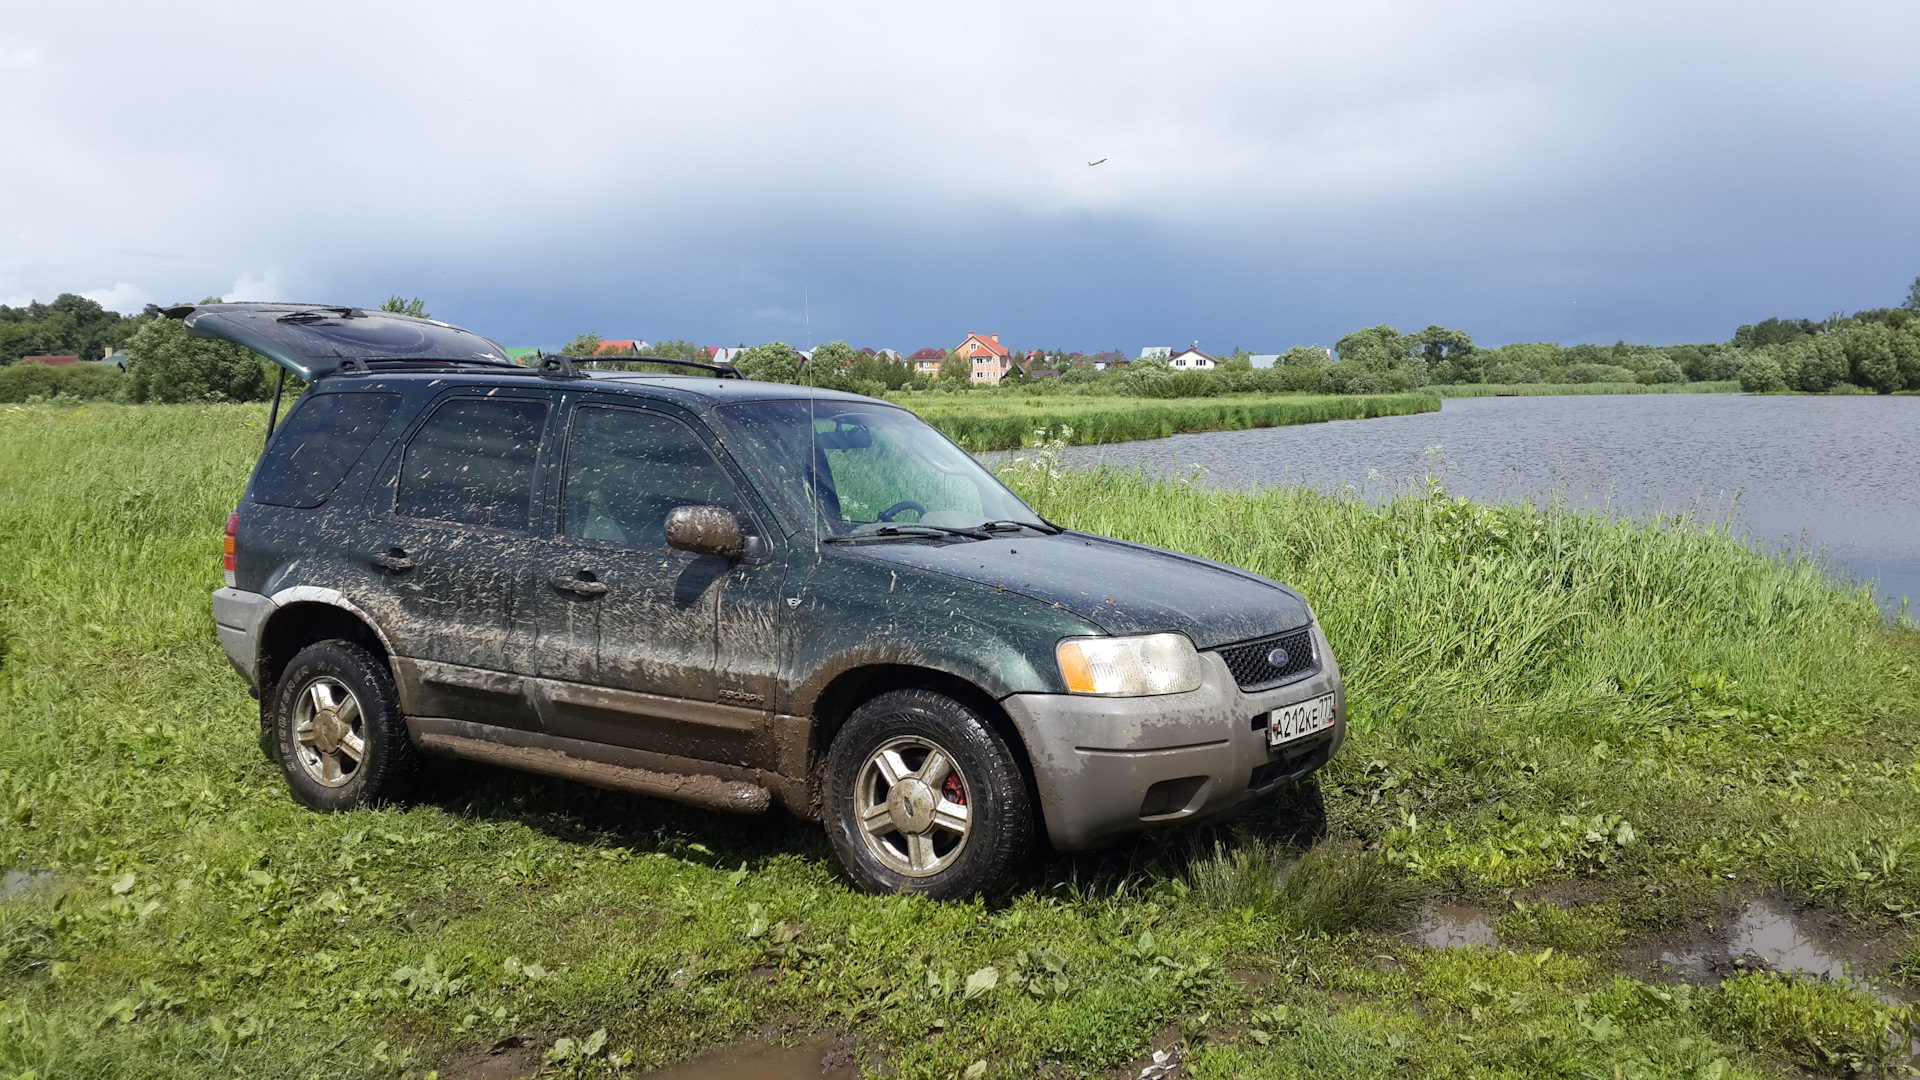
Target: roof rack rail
722	371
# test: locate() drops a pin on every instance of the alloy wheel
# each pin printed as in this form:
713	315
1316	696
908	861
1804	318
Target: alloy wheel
329	731
911	801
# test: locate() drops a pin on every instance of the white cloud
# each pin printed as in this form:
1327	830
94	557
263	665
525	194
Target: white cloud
122	297
261	286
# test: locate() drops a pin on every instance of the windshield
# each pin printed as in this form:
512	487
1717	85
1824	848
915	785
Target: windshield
862	468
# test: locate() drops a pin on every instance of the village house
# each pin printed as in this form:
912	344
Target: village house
991	360
926	361
619	348
1191	359
50	361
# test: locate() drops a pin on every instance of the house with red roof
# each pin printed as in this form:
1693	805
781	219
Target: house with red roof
618	348
991	360
51	361
926	361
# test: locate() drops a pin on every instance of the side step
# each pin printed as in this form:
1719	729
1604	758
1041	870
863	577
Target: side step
712	792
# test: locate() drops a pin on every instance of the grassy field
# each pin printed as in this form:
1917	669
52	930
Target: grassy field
1622	728
1565	389
1001	421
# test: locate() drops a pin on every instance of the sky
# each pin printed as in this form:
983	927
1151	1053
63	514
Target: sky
898	174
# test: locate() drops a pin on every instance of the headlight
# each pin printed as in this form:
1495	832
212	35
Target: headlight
1129	666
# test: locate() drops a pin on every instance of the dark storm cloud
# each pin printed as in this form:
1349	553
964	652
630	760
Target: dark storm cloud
1274	174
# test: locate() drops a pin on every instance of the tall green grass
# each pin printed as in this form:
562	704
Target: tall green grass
1523	684
1564	692
1729	386
1005	422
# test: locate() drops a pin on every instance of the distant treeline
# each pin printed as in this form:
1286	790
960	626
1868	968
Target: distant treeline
1876	351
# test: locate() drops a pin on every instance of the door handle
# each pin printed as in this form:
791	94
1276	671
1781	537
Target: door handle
582	584
394	559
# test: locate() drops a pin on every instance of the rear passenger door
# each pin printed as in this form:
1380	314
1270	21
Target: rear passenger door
448	550
627	624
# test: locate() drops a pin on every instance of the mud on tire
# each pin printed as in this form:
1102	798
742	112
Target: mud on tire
924	796
337	731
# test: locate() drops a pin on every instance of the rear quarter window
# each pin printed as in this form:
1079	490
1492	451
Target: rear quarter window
318	445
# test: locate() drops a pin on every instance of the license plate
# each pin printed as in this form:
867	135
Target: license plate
1299	721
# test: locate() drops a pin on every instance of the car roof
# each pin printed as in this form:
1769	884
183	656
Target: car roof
694	391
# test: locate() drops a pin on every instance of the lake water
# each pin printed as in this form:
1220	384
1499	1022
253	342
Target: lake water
1836	475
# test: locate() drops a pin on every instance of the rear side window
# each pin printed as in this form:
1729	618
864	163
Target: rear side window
472	462
317	447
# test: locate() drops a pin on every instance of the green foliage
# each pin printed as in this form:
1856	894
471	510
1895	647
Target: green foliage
1379	360
166	366
1590	929
584	345
401	305
1819	1025
79	382
956	370
1761	375
70	326
773	362
1324	890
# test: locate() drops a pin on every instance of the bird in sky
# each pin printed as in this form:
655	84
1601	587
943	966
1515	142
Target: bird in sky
1096	162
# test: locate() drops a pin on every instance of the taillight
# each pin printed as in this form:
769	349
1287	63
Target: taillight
228	546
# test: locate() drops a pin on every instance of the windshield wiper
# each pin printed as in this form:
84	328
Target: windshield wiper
893	531
1008	523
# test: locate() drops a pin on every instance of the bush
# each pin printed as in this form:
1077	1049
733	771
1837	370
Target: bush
1660	371
1596	373
1761	375
80	382
1185	384
773	362
165	365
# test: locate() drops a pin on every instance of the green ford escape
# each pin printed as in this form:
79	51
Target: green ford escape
734	594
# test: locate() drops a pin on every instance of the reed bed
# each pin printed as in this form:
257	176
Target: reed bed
1729	386
1007	422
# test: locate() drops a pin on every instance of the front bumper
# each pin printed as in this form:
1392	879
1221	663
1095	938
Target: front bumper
1106	767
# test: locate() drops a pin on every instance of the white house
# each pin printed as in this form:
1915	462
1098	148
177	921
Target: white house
1191	359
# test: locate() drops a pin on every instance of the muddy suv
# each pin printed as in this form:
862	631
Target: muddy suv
734	594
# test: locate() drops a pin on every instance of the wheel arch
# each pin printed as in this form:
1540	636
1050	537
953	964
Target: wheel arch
853	688
298	621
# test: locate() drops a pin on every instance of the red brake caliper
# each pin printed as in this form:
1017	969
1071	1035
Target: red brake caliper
953	789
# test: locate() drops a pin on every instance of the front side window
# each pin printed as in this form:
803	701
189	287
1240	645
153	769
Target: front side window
854	467
473	462
627	469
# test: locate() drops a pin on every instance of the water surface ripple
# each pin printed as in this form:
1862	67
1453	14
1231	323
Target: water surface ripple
1835	475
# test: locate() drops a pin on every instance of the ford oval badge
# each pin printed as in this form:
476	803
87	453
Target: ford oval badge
1278	658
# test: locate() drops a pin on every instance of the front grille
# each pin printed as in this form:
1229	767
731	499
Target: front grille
1253	670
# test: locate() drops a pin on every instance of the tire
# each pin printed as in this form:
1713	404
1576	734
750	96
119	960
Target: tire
919	840
315	745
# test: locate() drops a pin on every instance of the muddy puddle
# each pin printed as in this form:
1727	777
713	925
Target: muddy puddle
26	884
1769	935
1448	926
1764	933
822	1058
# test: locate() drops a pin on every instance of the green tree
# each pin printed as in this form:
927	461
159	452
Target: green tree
400	305
1761	375
1389	360
890	373
835	355
1913	296
165	365
1303	370
584	345
775	361
1240	360
956	369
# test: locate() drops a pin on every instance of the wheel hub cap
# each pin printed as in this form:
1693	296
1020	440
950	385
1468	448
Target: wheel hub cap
910	804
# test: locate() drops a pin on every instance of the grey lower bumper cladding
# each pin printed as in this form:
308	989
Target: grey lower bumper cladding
1096	760
237	617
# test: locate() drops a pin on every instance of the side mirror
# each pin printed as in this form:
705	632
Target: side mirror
705	530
